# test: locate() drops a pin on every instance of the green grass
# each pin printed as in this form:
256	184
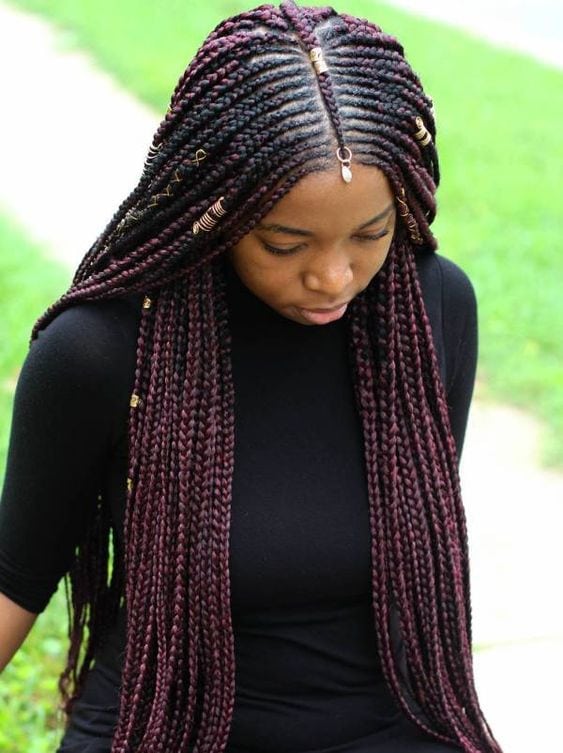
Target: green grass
30	283
499	116
29	717
28	685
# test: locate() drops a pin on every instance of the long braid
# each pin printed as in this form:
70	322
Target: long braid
247	120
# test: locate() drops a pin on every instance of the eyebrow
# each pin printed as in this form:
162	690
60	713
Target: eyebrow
274	228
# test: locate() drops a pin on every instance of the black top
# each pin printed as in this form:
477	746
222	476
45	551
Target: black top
308	678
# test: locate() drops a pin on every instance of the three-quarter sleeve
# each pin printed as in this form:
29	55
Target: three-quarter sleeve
63	418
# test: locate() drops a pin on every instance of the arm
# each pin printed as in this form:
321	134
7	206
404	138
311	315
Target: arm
15	624
65	406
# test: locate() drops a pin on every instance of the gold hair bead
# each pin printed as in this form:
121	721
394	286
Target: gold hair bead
423	134
147	302
135	400
129	484
317	58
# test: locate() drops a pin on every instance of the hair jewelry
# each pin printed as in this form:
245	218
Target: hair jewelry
209	219
411	222
317	58
200	155
154	199
131	217
345	164
423	134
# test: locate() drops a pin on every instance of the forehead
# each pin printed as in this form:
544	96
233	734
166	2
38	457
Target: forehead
324	198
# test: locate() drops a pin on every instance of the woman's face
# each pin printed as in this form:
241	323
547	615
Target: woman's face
320	245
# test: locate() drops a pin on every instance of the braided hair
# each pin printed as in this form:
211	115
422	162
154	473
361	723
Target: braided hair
248	118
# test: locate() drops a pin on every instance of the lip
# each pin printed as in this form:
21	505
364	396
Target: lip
323	316
325	311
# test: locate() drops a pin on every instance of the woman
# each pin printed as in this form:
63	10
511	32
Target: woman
244	419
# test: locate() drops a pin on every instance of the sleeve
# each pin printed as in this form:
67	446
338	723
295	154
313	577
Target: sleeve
60	434
460	332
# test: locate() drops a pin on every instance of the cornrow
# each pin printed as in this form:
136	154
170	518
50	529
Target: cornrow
251	115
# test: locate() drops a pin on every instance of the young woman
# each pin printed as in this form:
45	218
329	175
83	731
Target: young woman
238	432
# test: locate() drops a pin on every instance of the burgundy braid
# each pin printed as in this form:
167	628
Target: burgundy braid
252	100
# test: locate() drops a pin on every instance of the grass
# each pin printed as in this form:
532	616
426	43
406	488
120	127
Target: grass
28	691
29	719
498	118
30	283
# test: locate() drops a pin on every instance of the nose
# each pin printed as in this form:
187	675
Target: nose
330	279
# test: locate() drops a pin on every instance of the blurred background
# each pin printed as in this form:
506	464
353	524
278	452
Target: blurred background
84	86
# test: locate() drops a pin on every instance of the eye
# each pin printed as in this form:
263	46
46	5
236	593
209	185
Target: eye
288	251
279	251
372	237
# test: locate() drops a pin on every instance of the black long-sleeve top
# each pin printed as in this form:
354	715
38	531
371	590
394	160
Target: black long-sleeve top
308	677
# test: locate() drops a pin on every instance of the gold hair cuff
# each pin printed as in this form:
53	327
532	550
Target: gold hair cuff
317	58
209	219
423	134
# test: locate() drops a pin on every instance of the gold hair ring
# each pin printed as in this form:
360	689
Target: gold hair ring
345	164
423	134
317	58
209	219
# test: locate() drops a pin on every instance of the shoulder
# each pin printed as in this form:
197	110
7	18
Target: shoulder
90	330
451	305
85	354
444	280
94	325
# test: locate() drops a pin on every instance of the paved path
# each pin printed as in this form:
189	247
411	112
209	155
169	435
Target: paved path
77	141
78	144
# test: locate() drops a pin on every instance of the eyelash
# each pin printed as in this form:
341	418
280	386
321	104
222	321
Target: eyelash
287	252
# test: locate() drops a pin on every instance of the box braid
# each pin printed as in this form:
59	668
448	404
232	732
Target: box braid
248	118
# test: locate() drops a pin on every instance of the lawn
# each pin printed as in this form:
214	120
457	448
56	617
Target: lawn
499	118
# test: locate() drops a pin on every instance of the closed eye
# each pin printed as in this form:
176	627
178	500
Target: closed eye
287	251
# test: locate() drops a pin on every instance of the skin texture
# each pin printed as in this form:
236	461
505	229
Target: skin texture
338	260
15	624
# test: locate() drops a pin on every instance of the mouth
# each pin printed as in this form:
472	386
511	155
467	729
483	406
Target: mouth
324	316
328	310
